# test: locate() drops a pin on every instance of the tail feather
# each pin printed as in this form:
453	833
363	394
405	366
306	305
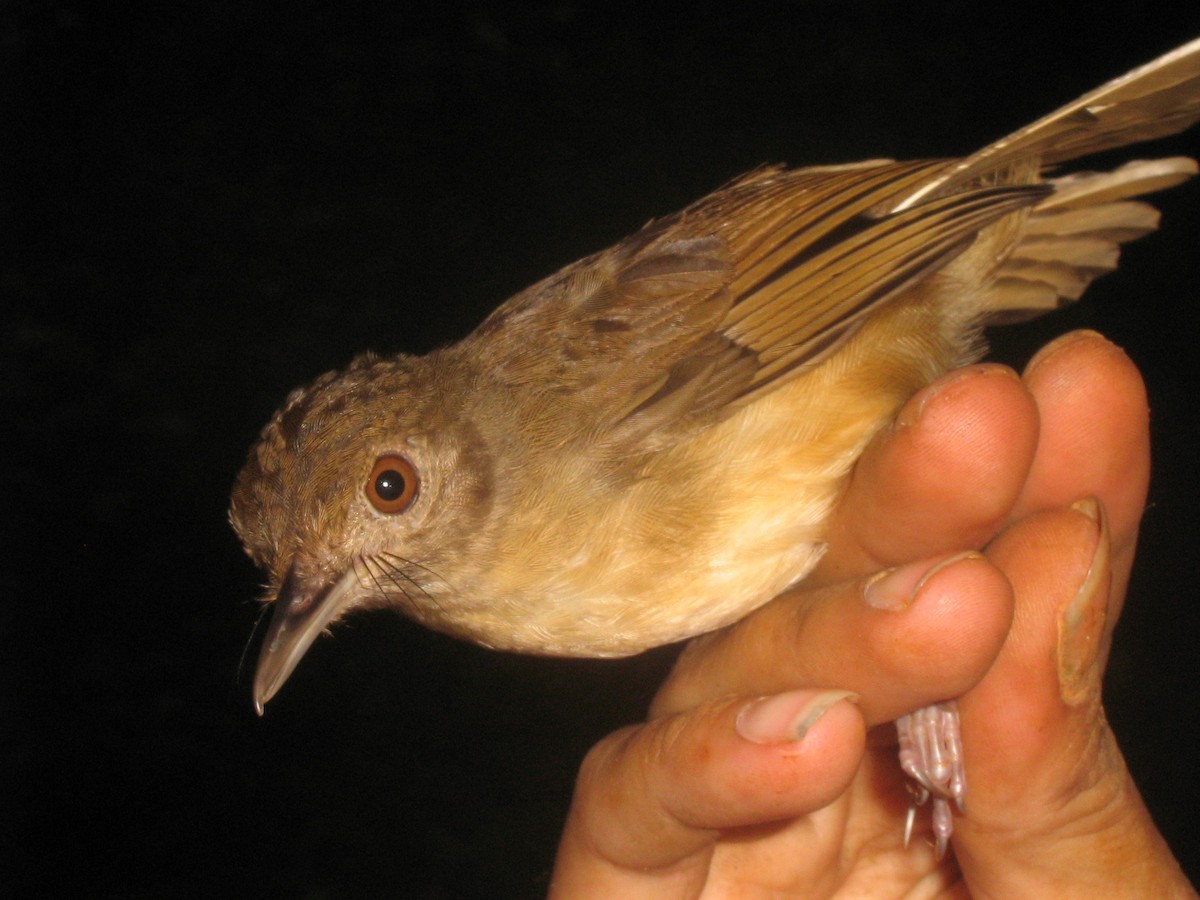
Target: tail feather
1119	222
1074	236
1134	179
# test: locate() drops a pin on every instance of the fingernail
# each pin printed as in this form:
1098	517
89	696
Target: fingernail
1082	621
896	589
1090	507
912	411
786	718
1061	343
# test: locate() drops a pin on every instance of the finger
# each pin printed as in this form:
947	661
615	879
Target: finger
651	801
1095	429
903	639
1095	438
1051	801
940	480
1017	710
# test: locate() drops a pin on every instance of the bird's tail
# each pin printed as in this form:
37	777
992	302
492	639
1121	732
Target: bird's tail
1074	235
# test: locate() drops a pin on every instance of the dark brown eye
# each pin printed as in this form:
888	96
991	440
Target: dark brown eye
392	485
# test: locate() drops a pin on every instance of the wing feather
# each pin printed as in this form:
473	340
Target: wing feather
1158	99
703	310
699	311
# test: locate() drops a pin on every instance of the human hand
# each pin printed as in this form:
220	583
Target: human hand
721	792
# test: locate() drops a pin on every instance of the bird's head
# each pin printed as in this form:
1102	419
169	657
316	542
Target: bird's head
362	486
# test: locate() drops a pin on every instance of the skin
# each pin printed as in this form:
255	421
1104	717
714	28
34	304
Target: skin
715	796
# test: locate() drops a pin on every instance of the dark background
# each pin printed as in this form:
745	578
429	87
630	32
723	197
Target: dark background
209	203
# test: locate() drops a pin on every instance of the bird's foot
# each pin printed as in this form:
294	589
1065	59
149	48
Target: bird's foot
931	755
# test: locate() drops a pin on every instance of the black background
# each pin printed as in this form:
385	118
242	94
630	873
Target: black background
209	203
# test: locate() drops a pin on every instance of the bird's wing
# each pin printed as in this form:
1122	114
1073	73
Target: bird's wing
663	332
1158	99
812	269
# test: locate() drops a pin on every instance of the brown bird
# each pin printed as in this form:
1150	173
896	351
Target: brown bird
647	445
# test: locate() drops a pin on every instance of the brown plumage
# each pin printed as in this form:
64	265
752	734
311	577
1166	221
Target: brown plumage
646	445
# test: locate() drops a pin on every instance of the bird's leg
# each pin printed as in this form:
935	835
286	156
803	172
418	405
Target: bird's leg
931	755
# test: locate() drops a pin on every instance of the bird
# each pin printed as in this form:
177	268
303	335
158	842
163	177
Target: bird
647	445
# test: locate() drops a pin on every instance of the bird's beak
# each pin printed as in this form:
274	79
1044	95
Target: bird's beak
301	613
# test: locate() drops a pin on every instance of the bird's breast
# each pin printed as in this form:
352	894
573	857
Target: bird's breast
601	559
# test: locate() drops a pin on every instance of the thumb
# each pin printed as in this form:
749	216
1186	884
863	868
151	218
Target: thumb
651	801
1052	809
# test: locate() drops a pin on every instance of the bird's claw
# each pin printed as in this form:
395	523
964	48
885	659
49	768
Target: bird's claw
931	755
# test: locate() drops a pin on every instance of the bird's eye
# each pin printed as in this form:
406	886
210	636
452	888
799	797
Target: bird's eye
392	485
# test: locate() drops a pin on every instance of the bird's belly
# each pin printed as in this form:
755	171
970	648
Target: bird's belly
716	525
709	531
